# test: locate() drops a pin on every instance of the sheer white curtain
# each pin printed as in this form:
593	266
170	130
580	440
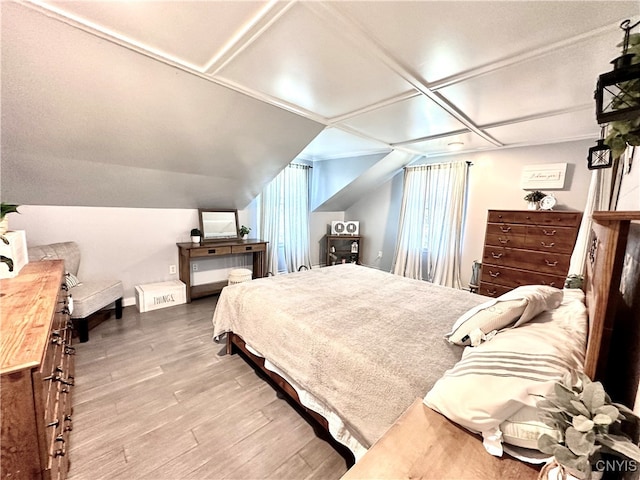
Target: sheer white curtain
270	214
284	219
431	223
296	217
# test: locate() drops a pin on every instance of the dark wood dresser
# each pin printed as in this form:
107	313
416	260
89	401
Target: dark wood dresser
527	247
36	373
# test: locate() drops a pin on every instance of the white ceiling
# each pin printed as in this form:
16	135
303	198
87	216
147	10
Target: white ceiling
371	76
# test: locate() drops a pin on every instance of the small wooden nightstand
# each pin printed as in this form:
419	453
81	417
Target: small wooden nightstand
424	444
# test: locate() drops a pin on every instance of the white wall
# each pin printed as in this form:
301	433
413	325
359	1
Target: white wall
135	245
378	213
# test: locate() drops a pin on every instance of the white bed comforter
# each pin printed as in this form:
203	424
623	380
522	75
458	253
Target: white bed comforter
354	341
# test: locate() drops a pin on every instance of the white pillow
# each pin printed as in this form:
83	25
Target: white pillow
494	380
524	427
515	308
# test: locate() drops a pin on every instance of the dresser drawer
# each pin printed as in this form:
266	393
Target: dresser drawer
210	251
505	240
561	219
259	247
506	228
511	277
553	263
493	290
551	239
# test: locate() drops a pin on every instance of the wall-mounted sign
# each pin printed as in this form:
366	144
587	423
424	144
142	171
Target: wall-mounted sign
538	177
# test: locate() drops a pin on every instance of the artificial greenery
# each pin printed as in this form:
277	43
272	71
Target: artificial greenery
7	208
195	232
588	423
626	132
534	196
244	231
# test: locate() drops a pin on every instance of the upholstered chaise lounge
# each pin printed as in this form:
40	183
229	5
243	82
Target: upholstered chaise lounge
89	296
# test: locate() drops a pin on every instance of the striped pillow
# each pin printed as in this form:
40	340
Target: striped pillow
71	280
494	380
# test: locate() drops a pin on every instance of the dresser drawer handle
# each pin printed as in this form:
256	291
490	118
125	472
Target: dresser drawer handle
492	292
548	245
212	251
549	233
69	426
552	284
494	274
550	264
505	229
496	255
248	249
55	423
503	241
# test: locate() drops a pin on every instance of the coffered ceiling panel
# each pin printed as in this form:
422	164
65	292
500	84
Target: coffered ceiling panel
574	125
307	61
413	118
335	143
450	144
439	39
190	32
562	79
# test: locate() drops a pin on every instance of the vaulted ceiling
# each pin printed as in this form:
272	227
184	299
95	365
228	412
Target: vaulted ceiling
188	104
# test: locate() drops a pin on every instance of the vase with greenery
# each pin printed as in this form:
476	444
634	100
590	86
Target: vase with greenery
532	198
6	209
196	235
589	429
244	231
623	133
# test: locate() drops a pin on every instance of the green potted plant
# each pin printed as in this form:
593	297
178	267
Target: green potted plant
627	132
244	231
589	430
533	198
196	234
6	209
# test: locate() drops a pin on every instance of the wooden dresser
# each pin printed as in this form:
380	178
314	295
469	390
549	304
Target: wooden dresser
37	373
527	247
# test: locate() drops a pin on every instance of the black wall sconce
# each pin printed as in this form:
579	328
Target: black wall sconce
599	156
614	100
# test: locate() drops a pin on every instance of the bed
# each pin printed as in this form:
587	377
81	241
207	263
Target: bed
355	346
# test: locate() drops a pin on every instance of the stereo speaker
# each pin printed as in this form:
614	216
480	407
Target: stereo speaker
339	227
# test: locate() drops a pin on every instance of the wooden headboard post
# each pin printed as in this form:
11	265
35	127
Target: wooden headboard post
602	283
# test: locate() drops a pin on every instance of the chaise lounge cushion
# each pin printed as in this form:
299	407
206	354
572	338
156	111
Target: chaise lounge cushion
90	295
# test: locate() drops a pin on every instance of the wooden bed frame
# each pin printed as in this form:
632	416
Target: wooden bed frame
602	281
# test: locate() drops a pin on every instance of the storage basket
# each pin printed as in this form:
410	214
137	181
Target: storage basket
153	296
239	275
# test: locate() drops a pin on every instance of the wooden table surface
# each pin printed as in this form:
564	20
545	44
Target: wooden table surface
424	444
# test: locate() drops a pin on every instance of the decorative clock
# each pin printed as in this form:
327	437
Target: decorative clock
548	202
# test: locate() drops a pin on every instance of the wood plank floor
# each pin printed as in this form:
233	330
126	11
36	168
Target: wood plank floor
155	398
